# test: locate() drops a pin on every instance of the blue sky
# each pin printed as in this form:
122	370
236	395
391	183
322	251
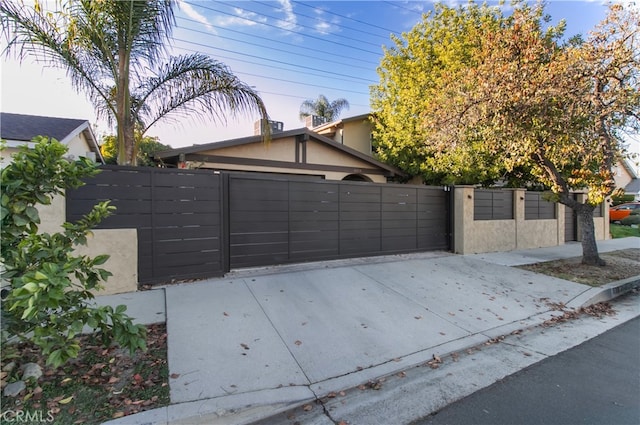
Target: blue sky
288	50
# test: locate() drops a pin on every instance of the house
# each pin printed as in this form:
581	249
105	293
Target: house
354	132
299	152
627	179
18	130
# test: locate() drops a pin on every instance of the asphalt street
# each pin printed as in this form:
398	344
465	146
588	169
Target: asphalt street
597	382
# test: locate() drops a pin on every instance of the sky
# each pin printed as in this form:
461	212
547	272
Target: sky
288	51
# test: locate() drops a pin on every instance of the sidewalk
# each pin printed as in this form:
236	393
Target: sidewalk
262	341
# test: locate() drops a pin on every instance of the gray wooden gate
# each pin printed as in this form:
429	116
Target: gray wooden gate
570	227
197	223
276	221
177	214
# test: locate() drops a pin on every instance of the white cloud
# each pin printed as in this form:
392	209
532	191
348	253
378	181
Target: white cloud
290	21
323	27
193	14
242	18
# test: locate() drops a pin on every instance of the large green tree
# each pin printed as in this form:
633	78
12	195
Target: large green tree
323	107
507	97
115	51
412	74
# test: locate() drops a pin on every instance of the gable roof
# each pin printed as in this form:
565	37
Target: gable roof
626	164
337	123
20	129
633	186
303	132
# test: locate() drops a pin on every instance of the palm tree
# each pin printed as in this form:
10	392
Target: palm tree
321	107
115	51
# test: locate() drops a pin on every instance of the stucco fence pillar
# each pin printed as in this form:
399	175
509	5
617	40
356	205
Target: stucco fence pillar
479	236
120	244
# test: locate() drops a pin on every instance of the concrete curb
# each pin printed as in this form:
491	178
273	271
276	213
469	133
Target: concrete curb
605	293
237	409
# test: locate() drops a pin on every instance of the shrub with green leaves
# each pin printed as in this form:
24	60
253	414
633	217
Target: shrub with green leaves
47	287
621	199
633	218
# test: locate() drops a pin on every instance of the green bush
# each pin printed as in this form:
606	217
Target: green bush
621	199
48	287
631	219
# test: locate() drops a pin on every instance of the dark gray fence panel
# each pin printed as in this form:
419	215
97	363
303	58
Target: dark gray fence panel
360	219
433	219
399	219
275	221
258	221
176	212
314	214
570	225
597	212
493	204
537	208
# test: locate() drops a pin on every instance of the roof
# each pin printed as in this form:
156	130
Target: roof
341	121
629	168
21	129
633	186
299	132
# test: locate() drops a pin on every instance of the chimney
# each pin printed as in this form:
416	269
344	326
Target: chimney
312	121
259	126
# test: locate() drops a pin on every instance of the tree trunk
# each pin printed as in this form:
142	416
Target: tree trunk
130	142
124	118
588	236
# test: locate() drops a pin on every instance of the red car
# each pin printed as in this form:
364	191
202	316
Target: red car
621	211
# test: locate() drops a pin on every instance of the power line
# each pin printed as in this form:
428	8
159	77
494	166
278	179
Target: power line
350	80
283	29
261	38
273	48
315	18
301	83
346	17
271	63
304	98
395	4
269	59
297	24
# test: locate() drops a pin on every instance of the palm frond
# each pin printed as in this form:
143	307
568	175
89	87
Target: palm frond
49	39
322	107
194	86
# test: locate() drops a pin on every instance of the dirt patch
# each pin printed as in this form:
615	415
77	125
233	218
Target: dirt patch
620	265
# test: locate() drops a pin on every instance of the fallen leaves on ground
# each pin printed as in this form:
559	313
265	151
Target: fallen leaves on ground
101	384
596	310
620	265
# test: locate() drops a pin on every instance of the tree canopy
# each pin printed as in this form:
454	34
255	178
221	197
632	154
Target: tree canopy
116	52
473	96
146	147
322	107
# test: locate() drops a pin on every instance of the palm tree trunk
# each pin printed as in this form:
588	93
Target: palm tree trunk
124	120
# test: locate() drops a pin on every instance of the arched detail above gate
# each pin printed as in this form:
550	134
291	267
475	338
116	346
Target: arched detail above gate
357	178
